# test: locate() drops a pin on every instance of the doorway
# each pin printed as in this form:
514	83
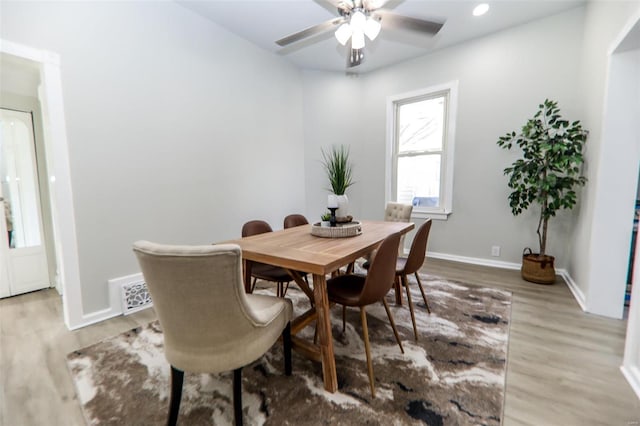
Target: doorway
23	264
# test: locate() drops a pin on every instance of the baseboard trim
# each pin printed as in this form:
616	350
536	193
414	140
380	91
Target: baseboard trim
474	260
575	290
95	317
115	308
632	374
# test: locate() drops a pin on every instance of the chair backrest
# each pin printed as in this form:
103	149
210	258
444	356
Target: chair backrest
198	295
382	271
398	212
255	227
418	249
294	220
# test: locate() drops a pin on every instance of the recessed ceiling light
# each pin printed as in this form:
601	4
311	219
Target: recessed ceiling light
480	9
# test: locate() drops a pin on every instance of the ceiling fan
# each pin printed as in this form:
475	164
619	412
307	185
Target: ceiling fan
360	18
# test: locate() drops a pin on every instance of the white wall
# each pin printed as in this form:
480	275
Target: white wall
598	251
178	131
502	79
332	116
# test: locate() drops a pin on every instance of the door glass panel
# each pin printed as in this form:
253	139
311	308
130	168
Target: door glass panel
19	180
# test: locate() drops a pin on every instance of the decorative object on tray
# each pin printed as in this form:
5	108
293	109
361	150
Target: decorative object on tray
325	220
341	230
548	174
340	173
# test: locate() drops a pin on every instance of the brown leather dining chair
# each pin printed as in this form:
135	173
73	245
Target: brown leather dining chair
359	291
411	265
262	271
294	220
209	323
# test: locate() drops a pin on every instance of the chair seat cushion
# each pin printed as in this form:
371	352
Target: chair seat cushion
400	264
265	308
270	273
346	289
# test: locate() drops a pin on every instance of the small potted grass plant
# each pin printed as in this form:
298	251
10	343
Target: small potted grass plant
340	174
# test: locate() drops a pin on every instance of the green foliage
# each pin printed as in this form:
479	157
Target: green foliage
339	169
550	167
325	217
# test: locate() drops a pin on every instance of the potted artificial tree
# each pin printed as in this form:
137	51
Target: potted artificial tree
340	173
547	174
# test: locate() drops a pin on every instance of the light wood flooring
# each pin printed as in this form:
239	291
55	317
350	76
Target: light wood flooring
563	364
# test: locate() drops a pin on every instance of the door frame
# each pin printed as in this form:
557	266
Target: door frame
67	277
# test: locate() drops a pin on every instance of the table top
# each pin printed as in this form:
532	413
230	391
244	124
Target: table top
296	249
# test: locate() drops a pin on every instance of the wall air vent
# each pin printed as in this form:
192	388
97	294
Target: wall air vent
135	296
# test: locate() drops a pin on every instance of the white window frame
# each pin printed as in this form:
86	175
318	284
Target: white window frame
443	211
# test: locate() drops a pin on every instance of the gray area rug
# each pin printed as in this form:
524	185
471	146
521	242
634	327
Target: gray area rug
454	374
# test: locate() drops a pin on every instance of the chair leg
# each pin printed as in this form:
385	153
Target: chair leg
284	292
350	268
237	395
286	339
367	348
413	316
393	324
424	297
344	315
177	377
398	288
253	285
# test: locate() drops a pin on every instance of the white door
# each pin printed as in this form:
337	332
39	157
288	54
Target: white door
23	258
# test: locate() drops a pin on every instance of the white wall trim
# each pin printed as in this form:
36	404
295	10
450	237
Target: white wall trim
626	29
474	260
575	289
57	154
95	317
115	302
632	374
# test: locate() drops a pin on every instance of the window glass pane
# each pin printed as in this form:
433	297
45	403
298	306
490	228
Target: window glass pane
420	125
419	180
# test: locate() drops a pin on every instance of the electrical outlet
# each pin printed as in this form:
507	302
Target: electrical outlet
495	251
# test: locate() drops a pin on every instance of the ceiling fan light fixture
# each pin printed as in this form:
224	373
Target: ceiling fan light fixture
358	21
481	9
357	39
343	33
372	28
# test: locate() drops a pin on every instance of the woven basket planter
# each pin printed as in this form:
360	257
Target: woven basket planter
538	269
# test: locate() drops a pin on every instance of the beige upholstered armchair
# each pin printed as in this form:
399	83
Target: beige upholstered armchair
210	325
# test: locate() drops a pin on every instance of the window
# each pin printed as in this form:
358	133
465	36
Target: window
421	137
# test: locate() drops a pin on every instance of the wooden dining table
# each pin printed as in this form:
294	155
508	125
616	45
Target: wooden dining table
300	253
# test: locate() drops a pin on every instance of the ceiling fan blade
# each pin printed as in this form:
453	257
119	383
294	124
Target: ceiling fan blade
397	21
341	4
374	4
311	31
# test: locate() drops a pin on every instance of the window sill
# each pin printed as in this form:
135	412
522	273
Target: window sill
442	215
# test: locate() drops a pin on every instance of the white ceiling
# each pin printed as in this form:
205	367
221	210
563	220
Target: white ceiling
262	22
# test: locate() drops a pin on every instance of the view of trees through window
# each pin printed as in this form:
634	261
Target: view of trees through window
420	133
